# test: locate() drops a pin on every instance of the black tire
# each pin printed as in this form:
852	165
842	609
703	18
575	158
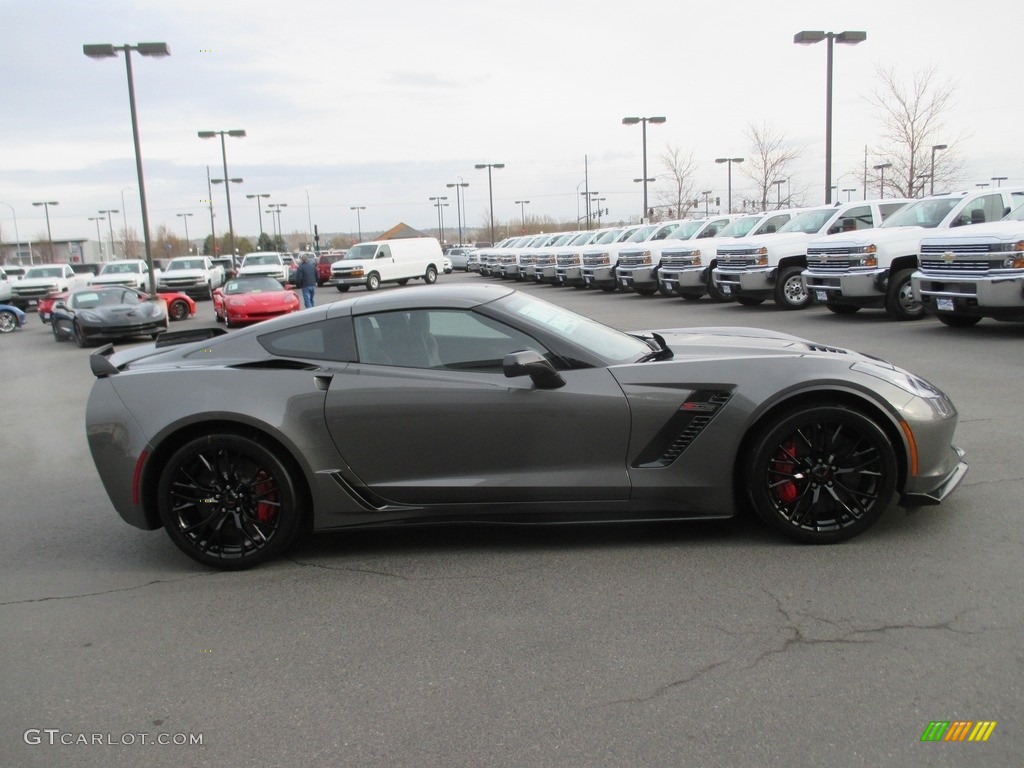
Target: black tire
790	291
8	321
646	291
228	502
714	292
749	301
821	474
430	276
957	321
900	302
209	292
841	309
78	336
57	335
343	288
227	321
691	296
372	281
177	310
609	288
665	291
403	281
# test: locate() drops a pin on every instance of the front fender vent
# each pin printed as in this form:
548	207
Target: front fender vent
693	416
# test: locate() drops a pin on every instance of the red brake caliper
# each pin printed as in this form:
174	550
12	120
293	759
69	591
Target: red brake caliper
265	510
784	464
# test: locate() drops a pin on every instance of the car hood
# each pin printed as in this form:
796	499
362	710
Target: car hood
124	313
730	342
170	275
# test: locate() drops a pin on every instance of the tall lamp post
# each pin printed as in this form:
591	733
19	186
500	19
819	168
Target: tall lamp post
644	181
17	238
778	191
935	148
810	37
730	161
109	213
188	244
707	205
439	203
103	51
881	176
458	206
259	206
99	238
359	223
849	192
490	189
238	134
643	122
999	180
522	212
49	236
275	208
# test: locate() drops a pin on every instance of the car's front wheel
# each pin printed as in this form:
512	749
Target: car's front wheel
8	321
821	474
178	310
79	335
373	281
900	302
228	502
790	291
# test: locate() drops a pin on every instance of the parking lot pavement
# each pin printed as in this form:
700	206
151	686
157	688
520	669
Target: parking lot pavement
708	644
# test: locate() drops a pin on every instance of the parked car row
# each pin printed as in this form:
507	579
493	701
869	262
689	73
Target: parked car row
909	257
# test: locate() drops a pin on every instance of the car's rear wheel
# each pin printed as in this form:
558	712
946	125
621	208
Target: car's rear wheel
8	321
373	281
957	321
821	474
790	291
178	310
228	502
430	276
78	335
900	302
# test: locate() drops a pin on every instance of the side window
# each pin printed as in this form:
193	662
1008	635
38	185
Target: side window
327	340
438	338
991	207
855	218
773	224
888	209
384	252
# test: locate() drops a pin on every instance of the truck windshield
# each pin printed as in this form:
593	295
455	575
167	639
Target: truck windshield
923	213
686	230
739	227
361	252
809	222
186	264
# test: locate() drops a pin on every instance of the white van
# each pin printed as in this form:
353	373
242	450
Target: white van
388	261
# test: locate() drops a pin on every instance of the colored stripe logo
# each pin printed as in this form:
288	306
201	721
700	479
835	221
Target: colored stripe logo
958	730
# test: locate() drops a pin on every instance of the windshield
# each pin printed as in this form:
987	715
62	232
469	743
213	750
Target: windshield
739	227
261	258
44	272
641	234
186	264
252	285
1017	214
116	268
601	341
365	251
583	238
686	230
608	237
107	298
809	222
923	213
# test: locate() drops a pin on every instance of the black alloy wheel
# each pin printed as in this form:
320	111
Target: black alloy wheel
178	310
228	502
821	474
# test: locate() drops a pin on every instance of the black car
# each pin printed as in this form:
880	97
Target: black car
112	312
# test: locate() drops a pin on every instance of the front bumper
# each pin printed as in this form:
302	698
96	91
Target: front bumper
683	279
601	277
869	284
637	278
759	282
1001	296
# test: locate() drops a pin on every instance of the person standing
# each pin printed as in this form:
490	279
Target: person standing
305	280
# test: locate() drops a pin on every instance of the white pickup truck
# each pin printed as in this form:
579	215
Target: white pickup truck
133	273
770	266
639	264
975	272
601	259
42	280
872	267
687	266
194	275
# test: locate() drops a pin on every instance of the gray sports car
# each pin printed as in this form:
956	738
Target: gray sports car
481	404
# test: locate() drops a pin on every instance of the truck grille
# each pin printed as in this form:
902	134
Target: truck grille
958	265
831	260
568	260
595	260
735	260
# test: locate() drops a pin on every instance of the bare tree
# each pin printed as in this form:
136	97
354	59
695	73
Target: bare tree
678	195
912	119
768	162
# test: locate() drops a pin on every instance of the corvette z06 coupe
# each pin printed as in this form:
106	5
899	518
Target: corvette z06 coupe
479	404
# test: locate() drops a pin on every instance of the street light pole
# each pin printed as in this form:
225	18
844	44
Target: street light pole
438	202
643	122
359	223
849	192
17	238
99	239
849	37
999	180
778	192
238	134
110	225
881	177
522	212
707	198
144	49
490	189
935	148
49	236
259	206
458	206
730	161
276	209
188	245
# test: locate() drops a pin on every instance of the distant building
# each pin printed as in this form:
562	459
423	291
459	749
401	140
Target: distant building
75	251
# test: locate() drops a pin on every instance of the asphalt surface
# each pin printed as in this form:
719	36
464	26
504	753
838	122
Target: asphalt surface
682	645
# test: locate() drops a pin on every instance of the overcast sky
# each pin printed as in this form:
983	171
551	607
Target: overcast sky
382	103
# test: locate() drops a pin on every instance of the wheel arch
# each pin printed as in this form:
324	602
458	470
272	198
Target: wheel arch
902	262
173	440
813	398
796	260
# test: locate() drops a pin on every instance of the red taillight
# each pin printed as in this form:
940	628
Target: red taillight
137	478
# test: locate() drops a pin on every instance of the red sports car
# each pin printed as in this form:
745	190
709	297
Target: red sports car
179	305
251	299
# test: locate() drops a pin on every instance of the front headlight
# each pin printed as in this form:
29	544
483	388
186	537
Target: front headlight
89	317
905	380
761	257
1003	247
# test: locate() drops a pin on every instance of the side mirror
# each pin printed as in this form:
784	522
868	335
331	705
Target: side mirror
530	363
60	305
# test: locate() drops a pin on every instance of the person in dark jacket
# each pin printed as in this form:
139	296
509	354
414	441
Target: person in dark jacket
305	280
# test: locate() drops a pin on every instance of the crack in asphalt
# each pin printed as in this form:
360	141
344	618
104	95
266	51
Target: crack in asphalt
854	636
103	592
347	568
